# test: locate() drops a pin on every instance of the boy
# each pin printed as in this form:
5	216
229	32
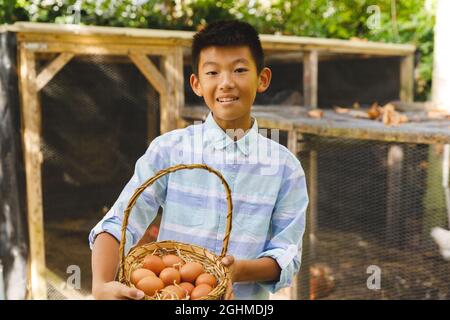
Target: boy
267	181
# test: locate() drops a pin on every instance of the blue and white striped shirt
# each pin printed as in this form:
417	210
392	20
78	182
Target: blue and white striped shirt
268	189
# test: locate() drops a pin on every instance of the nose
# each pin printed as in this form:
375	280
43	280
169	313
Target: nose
226	81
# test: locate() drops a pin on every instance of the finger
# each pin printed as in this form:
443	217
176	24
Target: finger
131	293
228	260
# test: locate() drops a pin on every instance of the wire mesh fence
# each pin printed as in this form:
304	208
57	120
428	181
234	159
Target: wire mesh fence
377	201
98	115
376	205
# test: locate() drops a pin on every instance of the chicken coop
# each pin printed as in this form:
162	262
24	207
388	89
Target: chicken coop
80	104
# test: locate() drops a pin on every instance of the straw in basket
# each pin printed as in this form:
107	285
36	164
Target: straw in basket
188	252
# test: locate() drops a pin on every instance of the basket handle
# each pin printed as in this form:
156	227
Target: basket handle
149	182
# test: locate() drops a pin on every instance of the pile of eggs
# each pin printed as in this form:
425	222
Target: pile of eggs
171	277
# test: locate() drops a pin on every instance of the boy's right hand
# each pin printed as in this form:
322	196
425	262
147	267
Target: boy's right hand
115	290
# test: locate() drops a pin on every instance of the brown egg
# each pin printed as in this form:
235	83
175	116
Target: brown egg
154	263
172	260
169	276
173	292
187	286
207	278
150	285
190	271
140	273
200	291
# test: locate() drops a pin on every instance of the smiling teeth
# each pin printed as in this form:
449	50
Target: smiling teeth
227	99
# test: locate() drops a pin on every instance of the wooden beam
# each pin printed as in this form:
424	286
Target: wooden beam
52	69
310	65
335	125
184	38
95	48
31	138
407	78
150	72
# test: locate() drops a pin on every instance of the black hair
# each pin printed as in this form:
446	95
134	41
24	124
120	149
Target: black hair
226	33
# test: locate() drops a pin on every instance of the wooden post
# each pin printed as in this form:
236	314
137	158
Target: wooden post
313	210
168	108
292	145
310	78
31	138
292	142
395	159
310	90
179	86
407	78
301	290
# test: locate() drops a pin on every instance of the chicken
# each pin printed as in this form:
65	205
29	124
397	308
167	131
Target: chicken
442	238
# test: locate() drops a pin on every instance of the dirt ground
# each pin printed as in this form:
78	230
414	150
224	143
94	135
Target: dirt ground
406	273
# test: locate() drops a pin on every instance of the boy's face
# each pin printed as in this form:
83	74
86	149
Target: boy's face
228	80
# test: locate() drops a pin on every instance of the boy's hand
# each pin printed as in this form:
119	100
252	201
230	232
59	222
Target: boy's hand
115	290
229	262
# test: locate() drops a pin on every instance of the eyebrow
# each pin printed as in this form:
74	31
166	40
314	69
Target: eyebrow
242	60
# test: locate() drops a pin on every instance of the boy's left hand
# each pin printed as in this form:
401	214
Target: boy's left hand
229	262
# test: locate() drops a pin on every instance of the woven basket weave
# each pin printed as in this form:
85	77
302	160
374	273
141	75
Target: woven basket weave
188	252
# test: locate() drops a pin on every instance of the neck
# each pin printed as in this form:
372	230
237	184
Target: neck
237	128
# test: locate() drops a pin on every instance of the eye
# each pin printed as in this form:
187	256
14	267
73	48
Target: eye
240	70
211	73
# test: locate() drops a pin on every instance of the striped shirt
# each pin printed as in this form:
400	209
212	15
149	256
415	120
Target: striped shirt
268	190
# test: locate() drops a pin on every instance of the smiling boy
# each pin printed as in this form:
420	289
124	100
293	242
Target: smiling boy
267	181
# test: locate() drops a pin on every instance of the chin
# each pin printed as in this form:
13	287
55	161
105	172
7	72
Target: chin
228	114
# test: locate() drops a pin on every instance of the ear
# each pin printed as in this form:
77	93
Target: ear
195	84
264	79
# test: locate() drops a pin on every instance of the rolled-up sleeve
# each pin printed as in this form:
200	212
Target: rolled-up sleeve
147	204
287	226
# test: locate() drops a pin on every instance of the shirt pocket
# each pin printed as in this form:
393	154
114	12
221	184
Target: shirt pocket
185	209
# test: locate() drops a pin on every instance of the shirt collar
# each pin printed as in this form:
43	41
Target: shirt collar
218	138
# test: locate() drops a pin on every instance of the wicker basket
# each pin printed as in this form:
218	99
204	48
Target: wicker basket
189	253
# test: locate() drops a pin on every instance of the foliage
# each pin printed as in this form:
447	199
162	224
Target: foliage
413	21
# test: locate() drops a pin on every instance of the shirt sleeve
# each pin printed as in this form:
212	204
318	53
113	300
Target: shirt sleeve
288	227
147	204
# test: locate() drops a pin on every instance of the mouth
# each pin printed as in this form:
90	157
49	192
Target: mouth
227	99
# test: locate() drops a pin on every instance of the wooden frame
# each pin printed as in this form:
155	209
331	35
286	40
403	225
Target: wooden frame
69	41
183	39
31	137
168	83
